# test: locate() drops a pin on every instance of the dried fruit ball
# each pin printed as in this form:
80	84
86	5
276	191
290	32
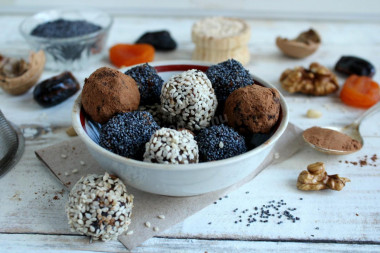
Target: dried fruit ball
171	147
107	92
351	65
253	109
56	89
128	54
160	40
126	134
155	110
188	100
226	77
360	91
219	142
99	206
62	28
149	83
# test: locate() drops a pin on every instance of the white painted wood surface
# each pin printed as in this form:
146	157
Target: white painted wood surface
31	219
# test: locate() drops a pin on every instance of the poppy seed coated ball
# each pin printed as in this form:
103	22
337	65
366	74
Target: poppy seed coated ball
126	134
148	81
226	77
219	142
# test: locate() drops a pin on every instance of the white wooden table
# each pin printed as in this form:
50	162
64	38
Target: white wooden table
32	217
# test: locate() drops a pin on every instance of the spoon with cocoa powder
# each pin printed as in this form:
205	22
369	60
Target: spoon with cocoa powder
338	141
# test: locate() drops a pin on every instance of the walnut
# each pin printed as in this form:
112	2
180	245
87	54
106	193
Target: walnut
316	178
317	80
18	76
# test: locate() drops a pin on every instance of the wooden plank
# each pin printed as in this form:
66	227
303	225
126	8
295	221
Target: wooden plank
59	243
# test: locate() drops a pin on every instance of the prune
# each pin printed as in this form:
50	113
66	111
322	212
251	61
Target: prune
350	65
56	89
62	28
160	40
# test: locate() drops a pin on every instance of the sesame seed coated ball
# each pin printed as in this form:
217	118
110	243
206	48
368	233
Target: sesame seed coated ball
99	206
219	142
126	134
226	77
171	146
188	100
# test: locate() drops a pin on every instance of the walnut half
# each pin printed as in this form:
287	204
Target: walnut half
316	178
317	80
18	76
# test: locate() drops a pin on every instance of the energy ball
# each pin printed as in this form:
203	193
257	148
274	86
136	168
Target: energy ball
99	206
219	142
155	110
148	81
126	134
226	77
171	146
188	100
253	109
107	92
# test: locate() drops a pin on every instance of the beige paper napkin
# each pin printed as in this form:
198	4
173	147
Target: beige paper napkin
72	156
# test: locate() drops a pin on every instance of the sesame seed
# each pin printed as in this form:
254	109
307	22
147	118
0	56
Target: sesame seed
66	173
156	229
82	163
74	171
221	144
63	156
130	232
161	216
147	224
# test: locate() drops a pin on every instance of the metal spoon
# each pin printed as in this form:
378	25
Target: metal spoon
351	130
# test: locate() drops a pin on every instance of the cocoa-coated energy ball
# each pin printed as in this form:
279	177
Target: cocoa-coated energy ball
107	92
253	109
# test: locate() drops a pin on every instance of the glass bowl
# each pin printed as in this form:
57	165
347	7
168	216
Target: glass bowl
73	52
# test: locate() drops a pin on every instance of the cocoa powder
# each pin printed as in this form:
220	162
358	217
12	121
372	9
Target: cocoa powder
330	139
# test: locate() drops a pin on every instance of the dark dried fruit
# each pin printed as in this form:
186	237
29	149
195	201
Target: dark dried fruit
160	40
56	89
351	65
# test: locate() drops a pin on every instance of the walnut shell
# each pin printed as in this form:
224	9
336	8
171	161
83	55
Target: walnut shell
304	45
19	84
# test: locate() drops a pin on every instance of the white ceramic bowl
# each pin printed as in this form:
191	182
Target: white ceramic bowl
183	179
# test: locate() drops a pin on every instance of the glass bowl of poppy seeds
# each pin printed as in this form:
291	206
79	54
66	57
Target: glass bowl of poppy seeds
160	145
70	38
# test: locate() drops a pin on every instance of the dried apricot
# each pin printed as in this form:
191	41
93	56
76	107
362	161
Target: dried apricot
360	91
131	54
